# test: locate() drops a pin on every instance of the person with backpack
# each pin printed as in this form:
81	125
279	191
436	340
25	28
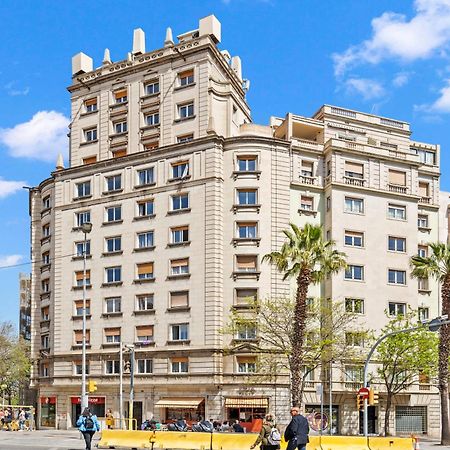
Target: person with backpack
269	436
88	424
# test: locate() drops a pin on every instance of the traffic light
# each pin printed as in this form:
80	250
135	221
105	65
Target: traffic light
92	386
373	397
359	402
127	366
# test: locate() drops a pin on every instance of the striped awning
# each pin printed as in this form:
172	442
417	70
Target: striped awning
246	402
180	402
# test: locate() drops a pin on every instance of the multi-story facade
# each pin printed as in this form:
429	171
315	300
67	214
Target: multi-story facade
25	306
185	196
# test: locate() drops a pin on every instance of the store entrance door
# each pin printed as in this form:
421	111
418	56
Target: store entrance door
372	421
137	412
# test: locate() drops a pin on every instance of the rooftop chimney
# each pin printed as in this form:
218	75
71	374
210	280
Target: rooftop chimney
138	41
168	42
81	63
210	26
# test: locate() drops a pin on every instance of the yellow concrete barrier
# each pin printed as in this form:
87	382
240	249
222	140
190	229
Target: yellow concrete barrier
125	438
382	443
181	440
233	441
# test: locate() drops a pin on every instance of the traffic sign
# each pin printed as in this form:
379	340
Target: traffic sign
364	392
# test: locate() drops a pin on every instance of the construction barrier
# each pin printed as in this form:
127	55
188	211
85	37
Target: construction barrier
158	440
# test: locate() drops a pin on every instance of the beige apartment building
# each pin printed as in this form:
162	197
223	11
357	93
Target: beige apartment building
185	196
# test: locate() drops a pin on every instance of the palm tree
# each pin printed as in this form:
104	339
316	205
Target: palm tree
437	266
308	258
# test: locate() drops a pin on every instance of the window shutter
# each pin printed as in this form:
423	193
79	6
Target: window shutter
423	189
397	177
354	167
120	153
179	360
120	94
186	73
79	335
179	262
246	359
45	311
307	201
144	330
91	101
145	268
112	331
178	299
90	160
246	262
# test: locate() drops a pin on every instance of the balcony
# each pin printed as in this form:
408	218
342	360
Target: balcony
309	180
352	181
397	188
306	143
425	200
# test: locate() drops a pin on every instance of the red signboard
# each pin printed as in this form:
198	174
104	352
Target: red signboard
364	392
48	400
91	400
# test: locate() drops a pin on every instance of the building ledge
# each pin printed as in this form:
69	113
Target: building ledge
246	174
178	179
178	211
112	284
113	222
246	241
137	218
144	280
254	208
179	309
143	312
252	275
80	288
146	185
114	191
110	344
112	314
80	317
184	342
144	249
117	252
179	277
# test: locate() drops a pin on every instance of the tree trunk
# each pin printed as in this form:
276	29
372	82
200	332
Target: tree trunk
298	335
387	415
444	353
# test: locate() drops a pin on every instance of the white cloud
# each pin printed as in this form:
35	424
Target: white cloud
393	36
440	105
401	79
10	187
13	91
10	260
369	89
43	137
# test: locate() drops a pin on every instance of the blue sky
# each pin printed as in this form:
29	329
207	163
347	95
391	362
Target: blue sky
388	57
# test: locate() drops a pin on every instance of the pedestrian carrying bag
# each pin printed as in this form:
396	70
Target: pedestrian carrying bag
89	423
274	436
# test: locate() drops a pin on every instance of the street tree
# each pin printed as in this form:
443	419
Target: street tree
405	358
306	257
326	337
437	265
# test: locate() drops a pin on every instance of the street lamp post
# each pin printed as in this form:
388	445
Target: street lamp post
85	228
434	325
130	347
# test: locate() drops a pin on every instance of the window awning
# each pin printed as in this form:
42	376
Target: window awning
246	402
180	402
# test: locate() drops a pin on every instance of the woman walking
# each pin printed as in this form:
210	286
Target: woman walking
88	424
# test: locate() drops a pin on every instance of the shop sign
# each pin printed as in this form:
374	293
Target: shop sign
91	400
48	400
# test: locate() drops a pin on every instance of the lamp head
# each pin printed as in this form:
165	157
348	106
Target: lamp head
86	227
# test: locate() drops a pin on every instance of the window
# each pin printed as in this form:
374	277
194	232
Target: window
114	183
112	335
306	203
90	135
396	244
328	203
45	313
397	309
78	368
423	284
422	221
121	96
246	331
82	217
426	157
354	238
78	305
45	341
46	230
46	258
180	201
79	278
180	169
422	251
113	274
179	332
180	235
144	334
145	239
113	305
328	168
186	78
45	372
397	212
120	127
78	337
83	189
246	364
245	297
354	374
246	196
144	366
424	190
353	272
185	138
114	214
112	367
247	230
186	111
144	302
179	266
82	247
152	119
246	163
179	299
424	313
354	339
397	178
246	263
396	276
354	170
119	153
113	244
354	205
354	305
151	88
46	202
145	271
145	208
90	105
179	365
307	168
145	176
45	286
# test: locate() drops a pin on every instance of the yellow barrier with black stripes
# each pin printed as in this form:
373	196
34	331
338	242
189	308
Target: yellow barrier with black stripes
158	440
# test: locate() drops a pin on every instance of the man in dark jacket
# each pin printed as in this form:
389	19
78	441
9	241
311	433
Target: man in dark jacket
296	433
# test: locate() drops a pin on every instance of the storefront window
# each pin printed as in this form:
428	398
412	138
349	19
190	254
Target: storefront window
48	412
312	413
190	415
96	405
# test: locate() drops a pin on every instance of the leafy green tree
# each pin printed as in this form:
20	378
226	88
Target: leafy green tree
437	265
405	357
308	258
